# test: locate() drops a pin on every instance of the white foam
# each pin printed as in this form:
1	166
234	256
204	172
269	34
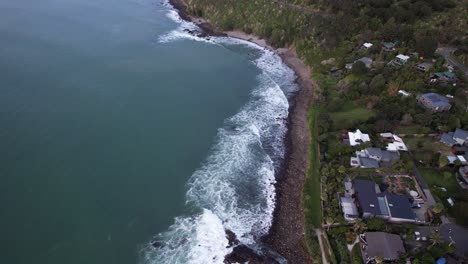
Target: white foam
192	240
235	185
181	32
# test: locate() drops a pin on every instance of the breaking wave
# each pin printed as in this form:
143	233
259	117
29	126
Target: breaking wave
234	188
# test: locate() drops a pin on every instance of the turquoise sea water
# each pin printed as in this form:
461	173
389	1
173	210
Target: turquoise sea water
115	127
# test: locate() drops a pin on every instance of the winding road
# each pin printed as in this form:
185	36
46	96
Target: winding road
446	52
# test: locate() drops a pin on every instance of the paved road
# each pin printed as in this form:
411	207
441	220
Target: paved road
446	52
458	234
430	199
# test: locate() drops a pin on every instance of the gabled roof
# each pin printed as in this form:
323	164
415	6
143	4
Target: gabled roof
447	138
368	162
445	74
425	65
388	246
367	198
366	60
399	206
460	134
356	138
368	45
383	155
402	57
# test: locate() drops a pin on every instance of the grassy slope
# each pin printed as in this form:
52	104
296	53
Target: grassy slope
313	208
351	113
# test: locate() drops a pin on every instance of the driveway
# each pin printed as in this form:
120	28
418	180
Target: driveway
458	234
446	52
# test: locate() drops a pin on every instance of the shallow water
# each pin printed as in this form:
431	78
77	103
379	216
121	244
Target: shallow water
118	128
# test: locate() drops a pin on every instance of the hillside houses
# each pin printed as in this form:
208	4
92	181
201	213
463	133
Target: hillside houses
434	102
364	199
458	137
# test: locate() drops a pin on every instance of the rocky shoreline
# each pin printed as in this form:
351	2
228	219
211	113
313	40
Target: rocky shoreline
286	235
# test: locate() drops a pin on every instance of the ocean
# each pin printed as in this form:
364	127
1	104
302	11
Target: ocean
125	139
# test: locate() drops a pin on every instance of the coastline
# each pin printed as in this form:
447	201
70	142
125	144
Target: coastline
286	235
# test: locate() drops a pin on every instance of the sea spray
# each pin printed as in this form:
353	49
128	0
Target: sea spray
234	188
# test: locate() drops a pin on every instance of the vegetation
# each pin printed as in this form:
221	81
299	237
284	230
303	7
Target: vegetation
328	34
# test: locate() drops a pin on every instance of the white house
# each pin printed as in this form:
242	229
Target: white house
401	59
367	45
356	138
397	144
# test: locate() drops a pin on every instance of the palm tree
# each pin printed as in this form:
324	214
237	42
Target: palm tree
359	226
435	238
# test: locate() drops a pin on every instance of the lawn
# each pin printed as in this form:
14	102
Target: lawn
313	208
349	115
426	144
435	177
312	203
413	129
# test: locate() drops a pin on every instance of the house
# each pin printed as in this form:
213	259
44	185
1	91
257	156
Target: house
388	46
349	208
446	76
404	93
424	67
463	159
371	202
400	59
458	137
396	143
461	136
367	45
356	138
463	171
374	158
434	102
366	60
381	244
364	162
382	155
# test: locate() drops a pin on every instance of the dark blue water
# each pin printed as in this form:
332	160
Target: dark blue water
101	125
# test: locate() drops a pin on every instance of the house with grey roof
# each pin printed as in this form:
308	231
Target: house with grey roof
381	244
424	67
366	60
458	137
374	158
434	102
461	136
371	202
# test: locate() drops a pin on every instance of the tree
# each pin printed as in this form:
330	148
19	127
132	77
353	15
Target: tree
359	226
379	259
406	120
435	238
437	208
359	68
341	169
377	84
426	45
376	224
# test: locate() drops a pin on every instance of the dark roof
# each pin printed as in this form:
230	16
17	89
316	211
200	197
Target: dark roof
461	134
447	138
388	246
384	155
435	99
366	196
399	206
368	162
